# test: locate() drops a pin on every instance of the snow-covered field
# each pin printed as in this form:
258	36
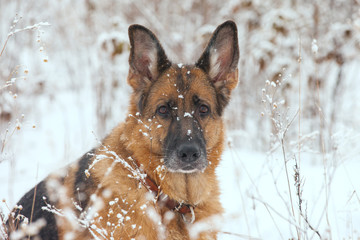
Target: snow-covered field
291	166
256	197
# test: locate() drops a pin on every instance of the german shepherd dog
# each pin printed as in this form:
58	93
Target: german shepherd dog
153	176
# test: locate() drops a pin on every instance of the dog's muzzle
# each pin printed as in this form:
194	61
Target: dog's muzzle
188	157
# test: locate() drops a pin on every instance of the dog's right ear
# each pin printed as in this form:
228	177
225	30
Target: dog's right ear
147	58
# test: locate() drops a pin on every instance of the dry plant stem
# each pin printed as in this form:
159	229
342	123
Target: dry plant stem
2	219
272	218
258	192
299	125
309	225
321	119
35	26
240	236
9	35
288	181
325	180
33	203
234	158
2	50
32	209
300	201
10	80
282	137
4	141
279	194
291	222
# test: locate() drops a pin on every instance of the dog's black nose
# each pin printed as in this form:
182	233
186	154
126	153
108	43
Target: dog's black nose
188	152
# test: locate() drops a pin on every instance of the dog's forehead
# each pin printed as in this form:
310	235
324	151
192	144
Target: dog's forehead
184	81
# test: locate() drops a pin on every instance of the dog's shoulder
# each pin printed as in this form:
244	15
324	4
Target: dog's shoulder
39	206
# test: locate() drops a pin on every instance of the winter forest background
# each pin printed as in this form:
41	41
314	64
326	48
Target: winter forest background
291	168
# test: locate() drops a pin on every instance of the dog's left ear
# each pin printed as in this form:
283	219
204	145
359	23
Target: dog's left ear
147	57
220	60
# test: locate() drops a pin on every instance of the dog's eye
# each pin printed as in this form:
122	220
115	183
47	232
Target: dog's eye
204	110
163	110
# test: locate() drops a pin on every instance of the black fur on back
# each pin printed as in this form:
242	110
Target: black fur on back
50	231
83	188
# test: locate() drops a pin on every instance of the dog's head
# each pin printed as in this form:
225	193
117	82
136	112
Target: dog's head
179	107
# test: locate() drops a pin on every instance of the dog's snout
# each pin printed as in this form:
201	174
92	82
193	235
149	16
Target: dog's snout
188	152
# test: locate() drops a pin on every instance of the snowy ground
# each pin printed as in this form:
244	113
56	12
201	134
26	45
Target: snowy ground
255	195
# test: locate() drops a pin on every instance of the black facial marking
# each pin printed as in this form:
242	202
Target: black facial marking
223	98
180	145
196	100
141	103
180	84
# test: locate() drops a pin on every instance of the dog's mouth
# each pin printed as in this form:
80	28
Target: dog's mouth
186	168
191	169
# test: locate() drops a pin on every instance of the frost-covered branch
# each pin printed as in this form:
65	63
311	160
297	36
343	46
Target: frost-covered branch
15	31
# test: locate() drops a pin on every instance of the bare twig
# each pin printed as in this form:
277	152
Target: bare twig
32	27
299	190
241	236
293	223
299	122
34	198
288	182
3	228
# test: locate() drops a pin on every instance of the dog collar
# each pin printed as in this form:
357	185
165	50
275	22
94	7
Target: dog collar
186	210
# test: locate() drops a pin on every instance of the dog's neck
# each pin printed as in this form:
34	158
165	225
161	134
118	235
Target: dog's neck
163	200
